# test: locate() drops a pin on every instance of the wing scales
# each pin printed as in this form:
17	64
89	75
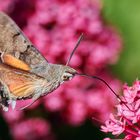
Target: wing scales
13	42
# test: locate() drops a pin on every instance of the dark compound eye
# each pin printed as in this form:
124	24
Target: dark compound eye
65	78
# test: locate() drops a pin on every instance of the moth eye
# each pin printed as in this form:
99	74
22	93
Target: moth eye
65	78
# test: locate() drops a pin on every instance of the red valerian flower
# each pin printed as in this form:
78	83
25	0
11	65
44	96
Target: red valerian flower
127	118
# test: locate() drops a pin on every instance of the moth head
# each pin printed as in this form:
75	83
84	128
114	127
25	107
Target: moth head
68	73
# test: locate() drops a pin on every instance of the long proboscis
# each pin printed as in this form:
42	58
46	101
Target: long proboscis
98	78
76	46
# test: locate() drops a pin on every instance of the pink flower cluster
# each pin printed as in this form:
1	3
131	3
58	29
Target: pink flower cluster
54	27
127	118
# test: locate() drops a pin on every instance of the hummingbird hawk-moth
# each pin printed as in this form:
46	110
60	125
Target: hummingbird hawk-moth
24	72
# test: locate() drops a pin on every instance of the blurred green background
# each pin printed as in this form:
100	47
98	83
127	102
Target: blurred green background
125	15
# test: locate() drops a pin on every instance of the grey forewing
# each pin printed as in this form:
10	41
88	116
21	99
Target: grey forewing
14	42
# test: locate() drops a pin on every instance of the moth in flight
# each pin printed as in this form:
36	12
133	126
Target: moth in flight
24	72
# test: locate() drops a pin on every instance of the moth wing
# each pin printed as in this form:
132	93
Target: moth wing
19	83
22	90
14	44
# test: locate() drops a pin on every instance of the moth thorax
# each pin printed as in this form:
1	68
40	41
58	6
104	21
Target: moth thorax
41	85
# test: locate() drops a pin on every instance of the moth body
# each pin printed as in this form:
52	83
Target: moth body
19	84
24	72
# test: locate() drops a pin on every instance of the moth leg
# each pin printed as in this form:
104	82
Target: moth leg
7	99
35	98
3	99
2	54
4	105
13	103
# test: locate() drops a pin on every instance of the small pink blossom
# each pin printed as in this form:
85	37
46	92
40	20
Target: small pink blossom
113	125
6	5
32	129
13	116
107	139
127	116
54	102
76	113
130	93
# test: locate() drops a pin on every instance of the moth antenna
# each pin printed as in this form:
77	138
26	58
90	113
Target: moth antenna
98	78
76	46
